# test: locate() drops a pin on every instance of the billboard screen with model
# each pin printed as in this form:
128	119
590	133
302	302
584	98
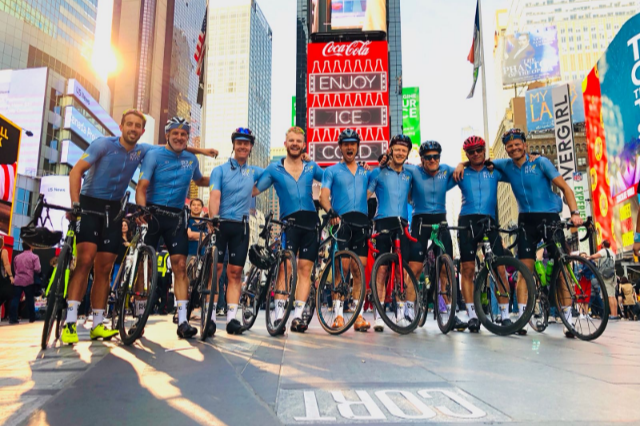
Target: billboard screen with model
531	56
335	16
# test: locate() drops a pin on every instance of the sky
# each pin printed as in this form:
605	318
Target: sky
436	39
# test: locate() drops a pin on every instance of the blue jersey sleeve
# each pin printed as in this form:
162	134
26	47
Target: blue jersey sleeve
548	168
451	182
501	163
197	174
148	166
266	180
95	151
146	148
373	180
318	173
215	180
258	173
327	179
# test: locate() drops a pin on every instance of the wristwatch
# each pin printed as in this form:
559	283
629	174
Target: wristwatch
575	212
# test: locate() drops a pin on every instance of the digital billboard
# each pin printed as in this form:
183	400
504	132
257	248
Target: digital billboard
531	56
411	114
78	123
347	87
22	99
540	107
56	191
335	16
10	135
86	100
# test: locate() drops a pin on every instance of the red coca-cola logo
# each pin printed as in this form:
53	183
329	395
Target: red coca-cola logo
355	48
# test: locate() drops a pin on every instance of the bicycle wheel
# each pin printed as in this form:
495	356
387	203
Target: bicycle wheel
251	296
491	290
61	319
131	322
406	317
206	294
336	292
277	316
446	291
55	297
540	319
583	326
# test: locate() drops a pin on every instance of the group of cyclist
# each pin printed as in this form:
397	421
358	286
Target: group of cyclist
167	171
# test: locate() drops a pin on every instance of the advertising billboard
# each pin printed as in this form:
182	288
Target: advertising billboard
86	100
411	114
77	123
540	107
10	135
347	87
56	191
335	16
22	99
531	56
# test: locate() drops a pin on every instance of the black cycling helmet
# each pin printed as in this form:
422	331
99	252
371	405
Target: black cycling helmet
40	237
403	140
348	135
429	146
243	133
260	257
512	134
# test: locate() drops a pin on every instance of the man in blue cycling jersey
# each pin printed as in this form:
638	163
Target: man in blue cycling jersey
293	179
391	184
109	164
231	185
531	181
429	187
479	187
344	196
164	184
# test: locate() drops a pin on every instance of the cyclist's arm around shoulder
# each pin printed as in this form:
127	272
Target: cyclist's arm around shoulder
317	172
265	181
372	182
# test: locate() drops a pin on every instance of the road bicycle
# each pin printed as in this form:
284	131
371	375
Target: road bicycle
401	288
491	286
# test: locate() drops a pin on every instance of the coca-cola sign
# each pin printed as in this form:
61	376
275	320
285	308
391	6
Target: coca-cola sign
355	48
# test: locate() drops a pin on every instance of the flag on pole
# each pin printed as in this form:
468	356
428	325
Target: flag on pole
475	55
201	50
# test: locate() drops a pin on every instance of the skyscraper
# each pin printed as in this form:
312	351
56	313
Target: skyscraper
238	82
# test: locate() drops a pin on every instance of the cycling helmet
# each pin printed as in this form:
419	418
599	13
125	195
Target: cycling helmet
39	237
260	257
243	133
349	135
403	140
512	134
177	123
429	146
473	142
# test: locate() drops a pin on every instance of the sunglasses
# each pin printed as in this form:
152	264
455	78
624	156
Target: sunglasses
431	157
244	131
475	151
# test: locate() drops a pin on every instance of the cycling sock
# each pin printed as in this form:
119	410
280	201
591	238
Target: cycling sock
521	308
72	310
182	311
337	307
141	305
409	311
400	311
449	308
566	310
299	305
213	313
471	310
279	308
504	310
375	314
98	317
231	312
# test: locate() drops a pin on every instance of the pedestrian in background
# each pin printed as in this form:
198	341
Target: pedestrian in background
606	266
628	299
122	251
6	276
26	264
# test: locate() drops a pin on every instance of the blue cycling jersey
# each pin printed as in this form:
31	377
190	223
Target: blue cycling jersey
480	191
429	193
348	191
169	175
112	167
235	183
531	184
392	191
294	196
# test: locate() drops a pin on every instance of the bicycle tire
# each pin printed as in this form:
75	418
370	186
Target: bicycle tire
205	317
128	337
577	328
61	319
249	298
445	319
285	256
193	298
480	284
53	298
540	319
408	326
324	285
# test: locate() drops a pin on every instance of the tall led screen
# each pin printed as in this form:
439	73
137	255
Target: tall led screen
329	16
530	56
347	87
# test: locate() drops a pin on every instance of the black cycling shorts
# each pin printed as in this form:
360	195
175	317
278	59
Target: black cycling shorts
384	243
530	235
90	227
303	242
354	233
419	249
468	245
172	229
233	237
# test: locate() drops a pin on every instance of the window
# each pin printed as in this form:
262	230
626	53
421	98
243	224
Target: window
23	202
